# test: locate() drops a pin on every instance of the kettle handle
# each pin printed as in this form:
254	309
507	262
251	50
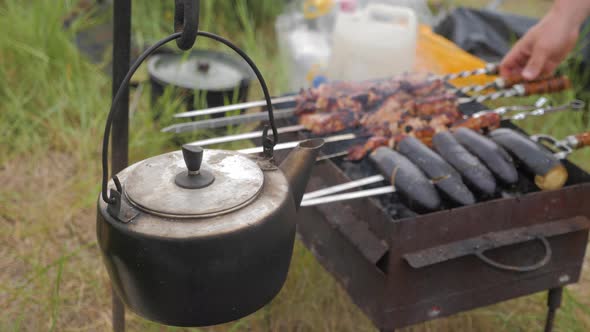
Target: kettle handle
268	143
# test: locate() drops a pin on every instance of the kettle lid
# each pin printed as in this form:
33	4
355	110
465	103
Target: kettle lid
216	182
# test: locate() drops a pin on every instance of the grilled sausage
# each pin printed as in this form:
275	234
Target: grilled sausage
472	170
406	177
439	171
492	155
549	172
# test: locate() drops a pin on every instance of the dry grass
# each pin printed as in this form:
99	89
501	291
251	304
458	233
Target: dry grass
52	111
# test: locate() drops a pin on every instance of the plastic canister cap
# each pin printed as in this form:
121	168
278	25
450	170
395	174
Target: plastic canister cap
348	6
319	80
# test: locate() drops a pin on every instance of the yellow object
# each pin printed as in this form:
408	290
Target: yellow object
315	8
438	55
313	71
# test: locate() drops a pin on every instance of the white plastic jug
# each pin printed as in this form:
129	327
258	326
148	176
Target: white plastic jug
376	42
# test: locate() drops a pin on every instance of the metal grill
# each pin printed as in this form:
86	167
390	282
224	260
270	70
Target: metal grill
402	268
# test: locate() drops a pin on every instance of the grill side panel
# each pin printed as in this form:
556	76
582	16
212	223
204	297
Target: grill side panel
419	294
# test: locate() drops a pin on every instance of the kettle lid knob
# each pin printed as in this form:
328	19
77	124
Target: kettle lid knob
193	157
194	177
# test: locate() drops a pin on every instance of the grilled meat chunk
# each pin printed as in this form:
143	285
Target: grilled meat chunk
326	123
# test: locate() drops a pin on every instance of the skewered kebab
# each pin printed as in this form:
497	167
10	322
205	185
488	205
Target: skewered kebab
524	89
549	173
295	128
443	175
378	161
348	97
412	172
497	159
354	104
489	120
329	195
424	130
473	171
488	69
498	84
491	154
400	172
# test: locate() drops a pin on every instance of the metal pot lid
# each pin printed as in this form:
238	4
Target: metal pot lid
151	185
199	70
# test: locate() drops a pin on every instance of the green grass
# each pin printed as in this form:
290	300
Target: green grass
52	112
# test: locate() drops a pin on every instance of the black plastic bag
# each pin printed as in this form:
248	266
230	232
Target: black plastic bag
486	34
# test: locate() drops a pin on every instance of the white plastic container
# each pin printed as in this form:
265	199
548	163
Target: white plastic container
376	42
305	52
420	8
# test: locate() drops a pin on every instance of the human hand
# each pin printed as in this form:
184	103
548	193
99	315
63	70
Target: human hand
542	48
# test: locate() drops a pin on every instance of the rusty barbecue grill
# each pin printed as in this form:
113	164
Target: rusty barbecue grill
402	268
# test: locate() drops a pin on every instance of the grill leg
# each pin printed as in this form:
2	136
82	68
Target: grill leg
553	303
120	135
118	312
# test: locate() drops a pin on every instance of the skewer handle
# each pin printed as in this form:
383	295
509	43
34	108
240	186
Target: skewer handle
516	78
556	84
500	83
488	121
551	85
581	140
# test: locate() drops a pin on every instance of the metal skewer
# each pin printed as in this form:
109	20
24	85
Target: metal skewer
348	196
343	187
520	108
227	121
516	91
243	136
235	107
537	110
565	146
488	69
290	145
550	85
498	83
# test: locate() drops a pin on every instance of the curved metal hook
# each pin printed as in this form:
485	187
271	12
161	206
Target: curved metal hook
186	21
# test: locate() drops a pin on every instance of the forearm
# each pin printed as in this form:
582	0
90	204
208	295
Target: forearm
574	11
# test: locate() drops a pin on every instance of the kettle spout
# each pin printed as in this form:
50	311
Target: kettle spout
298	164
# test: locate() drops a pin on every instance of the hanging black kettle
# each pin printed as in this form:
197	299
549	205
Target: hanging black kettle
200	237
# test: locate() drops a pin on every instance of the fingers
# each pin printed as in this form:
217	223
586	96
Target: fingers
535	65
530	64
549	68
516	59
